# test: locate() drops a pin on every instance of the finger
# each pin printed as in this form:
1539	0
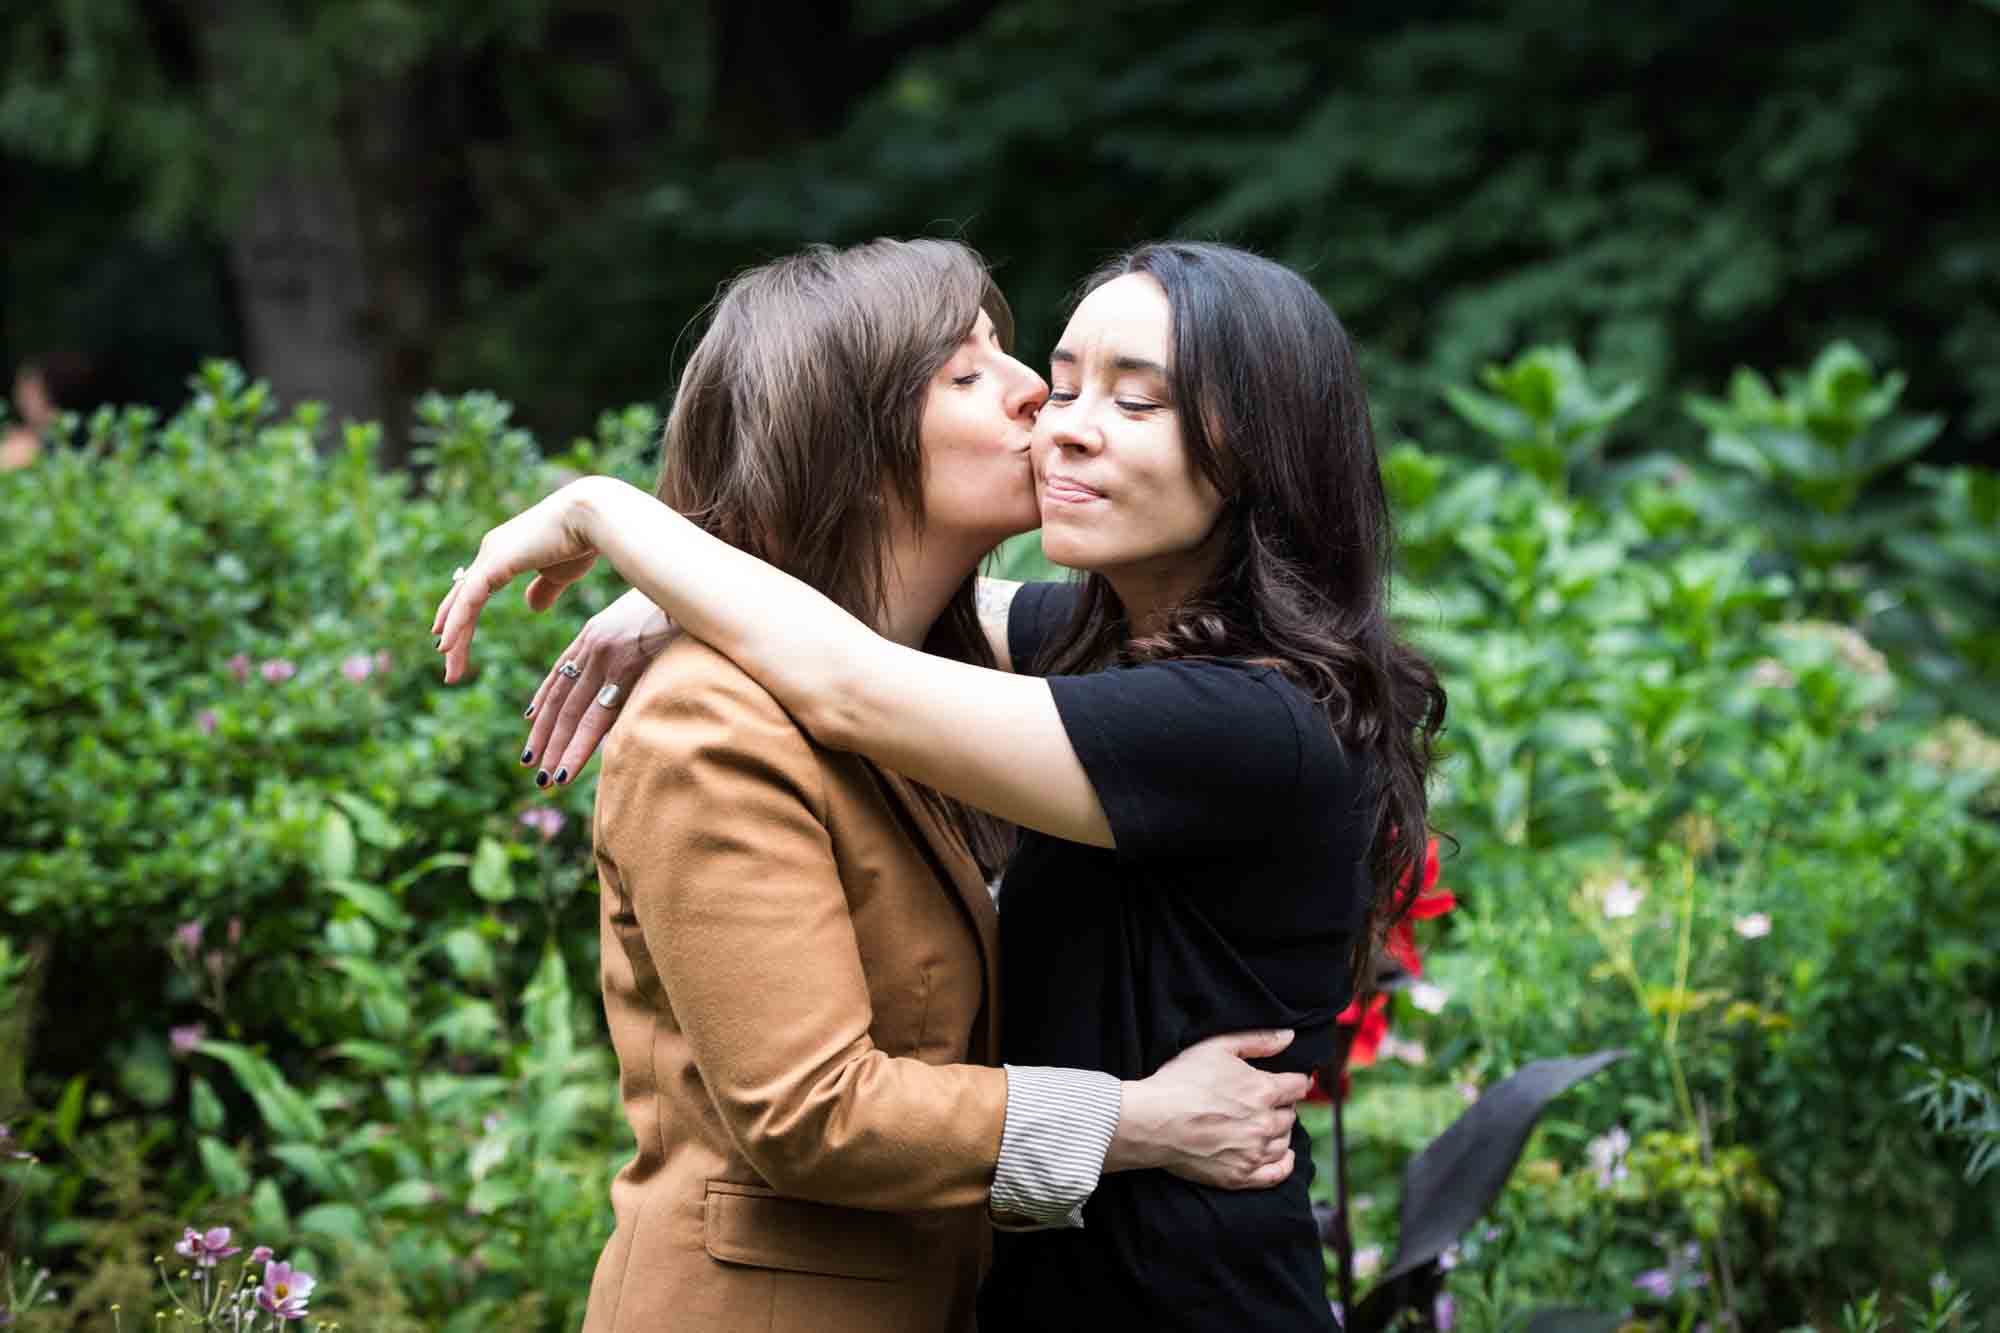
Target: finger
1275	1150
590	732
444	605
474	590
1255	1045
1274	1173
548	736
1289	1088
577	648
545	736
582	692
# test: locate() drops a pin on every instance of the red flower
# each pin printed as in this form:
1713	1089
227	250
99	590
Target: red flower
1403	935
1370	1026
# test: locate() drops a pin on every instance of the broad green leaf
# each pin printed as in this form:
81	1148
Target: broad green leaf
225	1170
336	1221
491	877
336	845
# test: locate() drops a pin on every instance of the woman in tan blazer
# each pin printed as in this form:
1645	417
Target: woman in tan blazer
799	949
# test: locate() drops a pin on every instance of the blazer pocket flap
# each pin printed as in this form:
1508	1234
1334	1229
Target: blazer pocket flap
744	1224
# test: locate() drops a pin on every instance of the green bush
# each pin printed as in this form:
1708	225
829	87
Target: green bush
343	1002
1701	822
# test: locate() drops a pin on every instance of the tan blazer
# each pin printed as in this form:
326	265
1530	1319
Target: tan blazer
800	973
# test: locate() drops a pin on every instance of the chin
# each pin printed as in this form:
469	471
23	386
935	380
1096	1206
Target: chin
1064	549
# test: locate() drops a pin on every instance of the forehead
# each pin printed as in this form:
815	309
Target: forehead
1127	316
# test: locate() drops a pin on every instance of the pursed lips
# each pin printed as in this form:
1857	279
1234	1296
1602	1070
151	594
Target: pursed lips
1069	491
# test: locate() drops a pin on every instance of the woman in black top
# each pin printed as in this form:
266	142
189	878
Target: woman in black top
1211	743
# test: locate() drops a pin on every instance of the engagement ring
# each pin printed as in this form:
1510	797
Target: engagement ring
569	670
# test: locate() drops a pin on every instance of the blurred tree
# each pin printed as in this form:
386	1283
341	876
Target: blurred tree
536	196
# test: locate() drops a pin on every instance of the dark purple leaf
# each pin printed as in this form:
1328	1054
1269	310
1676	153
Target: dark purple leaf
1449	1184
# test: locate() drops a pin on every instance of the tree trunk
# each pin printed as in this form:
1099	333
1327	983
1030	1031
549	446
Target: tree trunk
296	257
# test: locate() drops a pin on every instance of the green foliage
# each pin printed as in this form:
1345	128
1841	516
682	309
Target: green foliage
1701	819
243	792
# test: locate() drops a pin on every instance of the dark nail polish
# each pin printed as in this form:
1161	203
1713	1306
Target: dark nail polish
562	776
527	756
529	711
541	777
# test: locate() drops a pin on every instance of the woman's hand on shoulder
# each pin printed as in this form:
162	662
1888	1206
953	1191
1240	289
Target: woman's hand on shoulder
579	699
1208	1116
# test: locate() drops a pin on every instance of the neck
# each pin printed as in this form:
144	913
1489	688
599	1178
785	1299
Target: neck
1149	593
922	573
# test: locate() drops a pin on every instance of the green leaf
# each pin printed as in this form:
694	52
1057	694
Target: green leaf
372	901
336	1221
206	1108
225	1170
491	877
374	827
336	845
471	956
408	1195
69	1111
288	1113
267	1208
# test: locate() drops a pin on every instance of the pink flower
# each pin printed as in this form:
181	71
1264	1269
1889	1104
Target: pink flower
184	1039
382	660
1367	1260
545	820
278	670
206	721
1655	1282
1755	926
206	1247
284	1291
261	1255
187	937
239	667
1622	900
1445	1311
1607	1154
357	667
1409	1052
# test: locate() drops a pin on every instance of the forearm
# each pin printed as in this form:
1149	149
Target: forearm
796	642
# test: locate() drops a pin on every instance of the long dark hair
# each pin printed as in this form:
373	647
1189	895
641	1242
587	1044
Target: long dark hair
1273	414
799	417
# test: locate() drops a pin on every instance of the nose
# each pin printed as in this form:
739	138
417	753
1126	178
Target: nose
1069	432
1027	392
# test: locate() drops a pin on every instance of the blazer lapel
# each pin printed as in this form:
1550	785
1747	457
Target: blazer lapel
959	874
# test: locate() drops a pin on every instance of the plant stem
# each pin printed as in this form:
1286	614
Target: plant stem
1679	1001
1343	1234
1726	1286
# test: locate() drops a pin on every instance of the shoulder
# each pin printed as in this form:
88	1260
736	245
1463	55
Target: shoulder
1038	613
695	714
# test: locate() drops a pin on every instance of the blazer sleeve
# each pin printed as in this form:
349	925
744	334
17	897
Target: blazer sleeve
716	824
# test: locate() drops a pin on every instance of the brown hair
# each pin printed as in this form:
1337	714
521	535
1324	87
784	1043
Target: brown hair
799	416
1274	415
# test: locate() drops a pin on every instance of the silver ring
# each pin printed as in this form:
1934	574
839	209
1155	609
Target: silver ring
458	574
608	696
569	670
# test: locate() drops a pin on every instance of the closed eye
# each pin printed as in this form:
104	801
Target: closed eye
967	381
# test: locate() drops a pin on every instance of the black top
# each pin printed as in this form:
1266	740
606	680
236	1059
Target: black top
1230	903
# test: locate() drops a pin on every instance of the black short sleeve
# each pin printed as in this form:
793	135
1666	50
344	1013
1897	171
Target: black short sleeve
1038	613
1196	757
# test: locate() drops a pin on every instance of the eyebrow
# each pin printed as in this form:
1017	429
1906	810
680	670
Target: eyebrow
1066	357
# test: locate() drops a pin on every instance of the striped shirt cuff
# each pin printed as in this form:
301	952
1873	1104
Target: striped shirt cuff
1059	1126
